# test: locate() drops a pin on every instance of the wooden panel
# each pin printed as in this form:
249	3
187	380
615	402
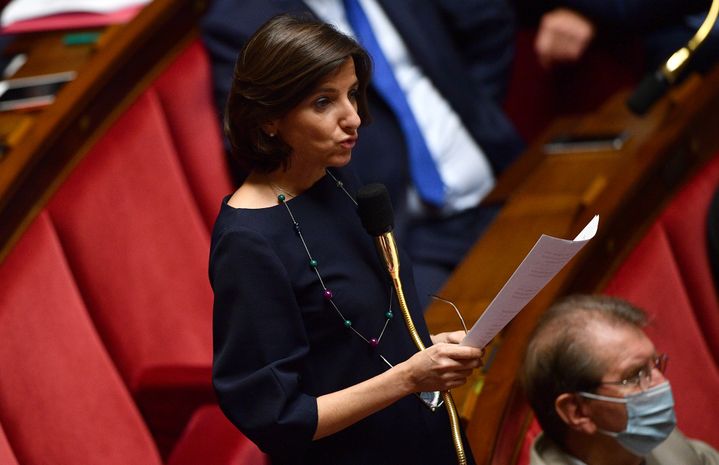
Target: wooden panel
110	75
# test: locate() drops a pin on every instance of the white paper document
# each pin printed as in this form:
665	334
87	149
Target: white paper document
21	10
542	263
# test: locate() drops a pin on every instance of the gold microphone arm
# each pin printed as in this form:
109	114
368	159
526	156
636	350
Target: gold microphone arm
388	248
676	62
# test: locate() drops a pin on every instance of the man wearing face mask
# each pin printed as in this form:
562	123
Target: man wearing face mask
597	387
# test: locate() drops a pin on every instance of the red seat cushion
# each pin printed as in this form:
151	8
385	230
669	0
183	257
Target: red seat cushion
61	399
210	439
651	279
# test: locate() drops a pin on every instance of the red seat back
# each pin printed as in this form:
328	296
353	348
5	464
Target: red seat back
684	223
210	438
650	278
7	457
185	93
138	246
533	431
61	399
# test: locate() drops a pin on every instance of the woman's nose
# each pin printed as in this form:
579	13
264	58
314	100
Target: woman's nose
350	118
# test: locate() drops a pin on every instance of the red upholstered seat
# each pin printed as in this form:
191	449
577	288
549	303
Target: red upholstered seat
138	245
7	456
651	279
185	93
210	438
669	275
526	447
61	399
685	224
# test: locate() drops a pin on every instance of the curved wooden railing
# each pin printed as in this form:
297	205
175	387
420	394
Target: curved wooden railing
46	144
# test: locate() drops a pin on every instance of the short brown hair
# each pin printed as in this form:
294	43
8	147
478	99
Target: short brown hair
279	66
560	358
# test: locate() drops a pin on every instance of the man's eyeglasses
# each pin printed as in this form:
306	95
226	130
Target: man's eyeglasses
643	378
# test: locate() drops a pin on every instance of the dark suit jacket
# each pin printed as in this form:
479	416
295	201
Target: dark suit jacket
463	46
637	15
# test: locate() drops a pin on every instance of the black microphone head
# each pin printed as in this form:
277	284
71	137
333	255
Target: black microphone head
375	209
650	89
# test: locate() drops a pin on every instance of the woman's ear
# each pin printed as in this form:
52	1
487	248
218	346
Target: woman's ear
270	128
574	413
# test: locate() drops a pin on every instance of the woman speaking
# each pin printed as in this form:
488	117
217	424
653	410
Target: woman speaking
311	358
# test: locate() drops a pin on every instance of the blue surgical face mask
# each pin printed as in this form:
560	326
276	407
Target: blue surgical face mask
650	418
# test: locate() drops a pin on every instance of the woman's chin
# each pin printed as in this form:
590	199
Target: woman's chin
340	160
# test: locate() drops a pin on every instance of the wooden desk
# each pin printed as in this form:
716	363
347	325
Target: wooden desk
558	195
46	144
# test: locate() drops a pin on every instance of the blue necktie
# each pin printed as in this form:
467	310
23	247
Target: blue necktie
422	167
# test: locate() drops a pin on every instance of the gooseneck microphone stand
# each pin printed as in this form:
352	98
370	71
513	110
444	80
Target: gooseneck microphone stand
375	210
654	85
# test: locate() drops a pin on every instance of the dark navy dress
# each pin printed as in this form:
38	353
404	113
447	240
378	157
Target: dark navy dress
278	344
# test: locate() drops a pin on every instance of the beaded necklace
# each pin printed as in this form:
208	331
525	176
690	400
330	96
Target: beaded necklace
430	399
327	293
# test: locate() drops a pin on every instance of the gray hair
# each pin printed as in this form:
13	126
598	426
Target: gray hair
560	358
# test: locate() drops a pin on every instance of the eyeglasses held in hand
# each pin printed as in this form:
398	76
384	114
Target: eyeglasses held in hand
459	314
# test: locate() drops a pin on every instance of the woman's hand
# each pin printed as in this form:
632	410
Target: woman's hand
441	367
452	337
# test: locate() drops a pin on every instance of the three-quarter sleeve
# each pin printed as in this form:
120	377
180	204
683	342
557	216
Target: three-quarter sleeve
260	345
